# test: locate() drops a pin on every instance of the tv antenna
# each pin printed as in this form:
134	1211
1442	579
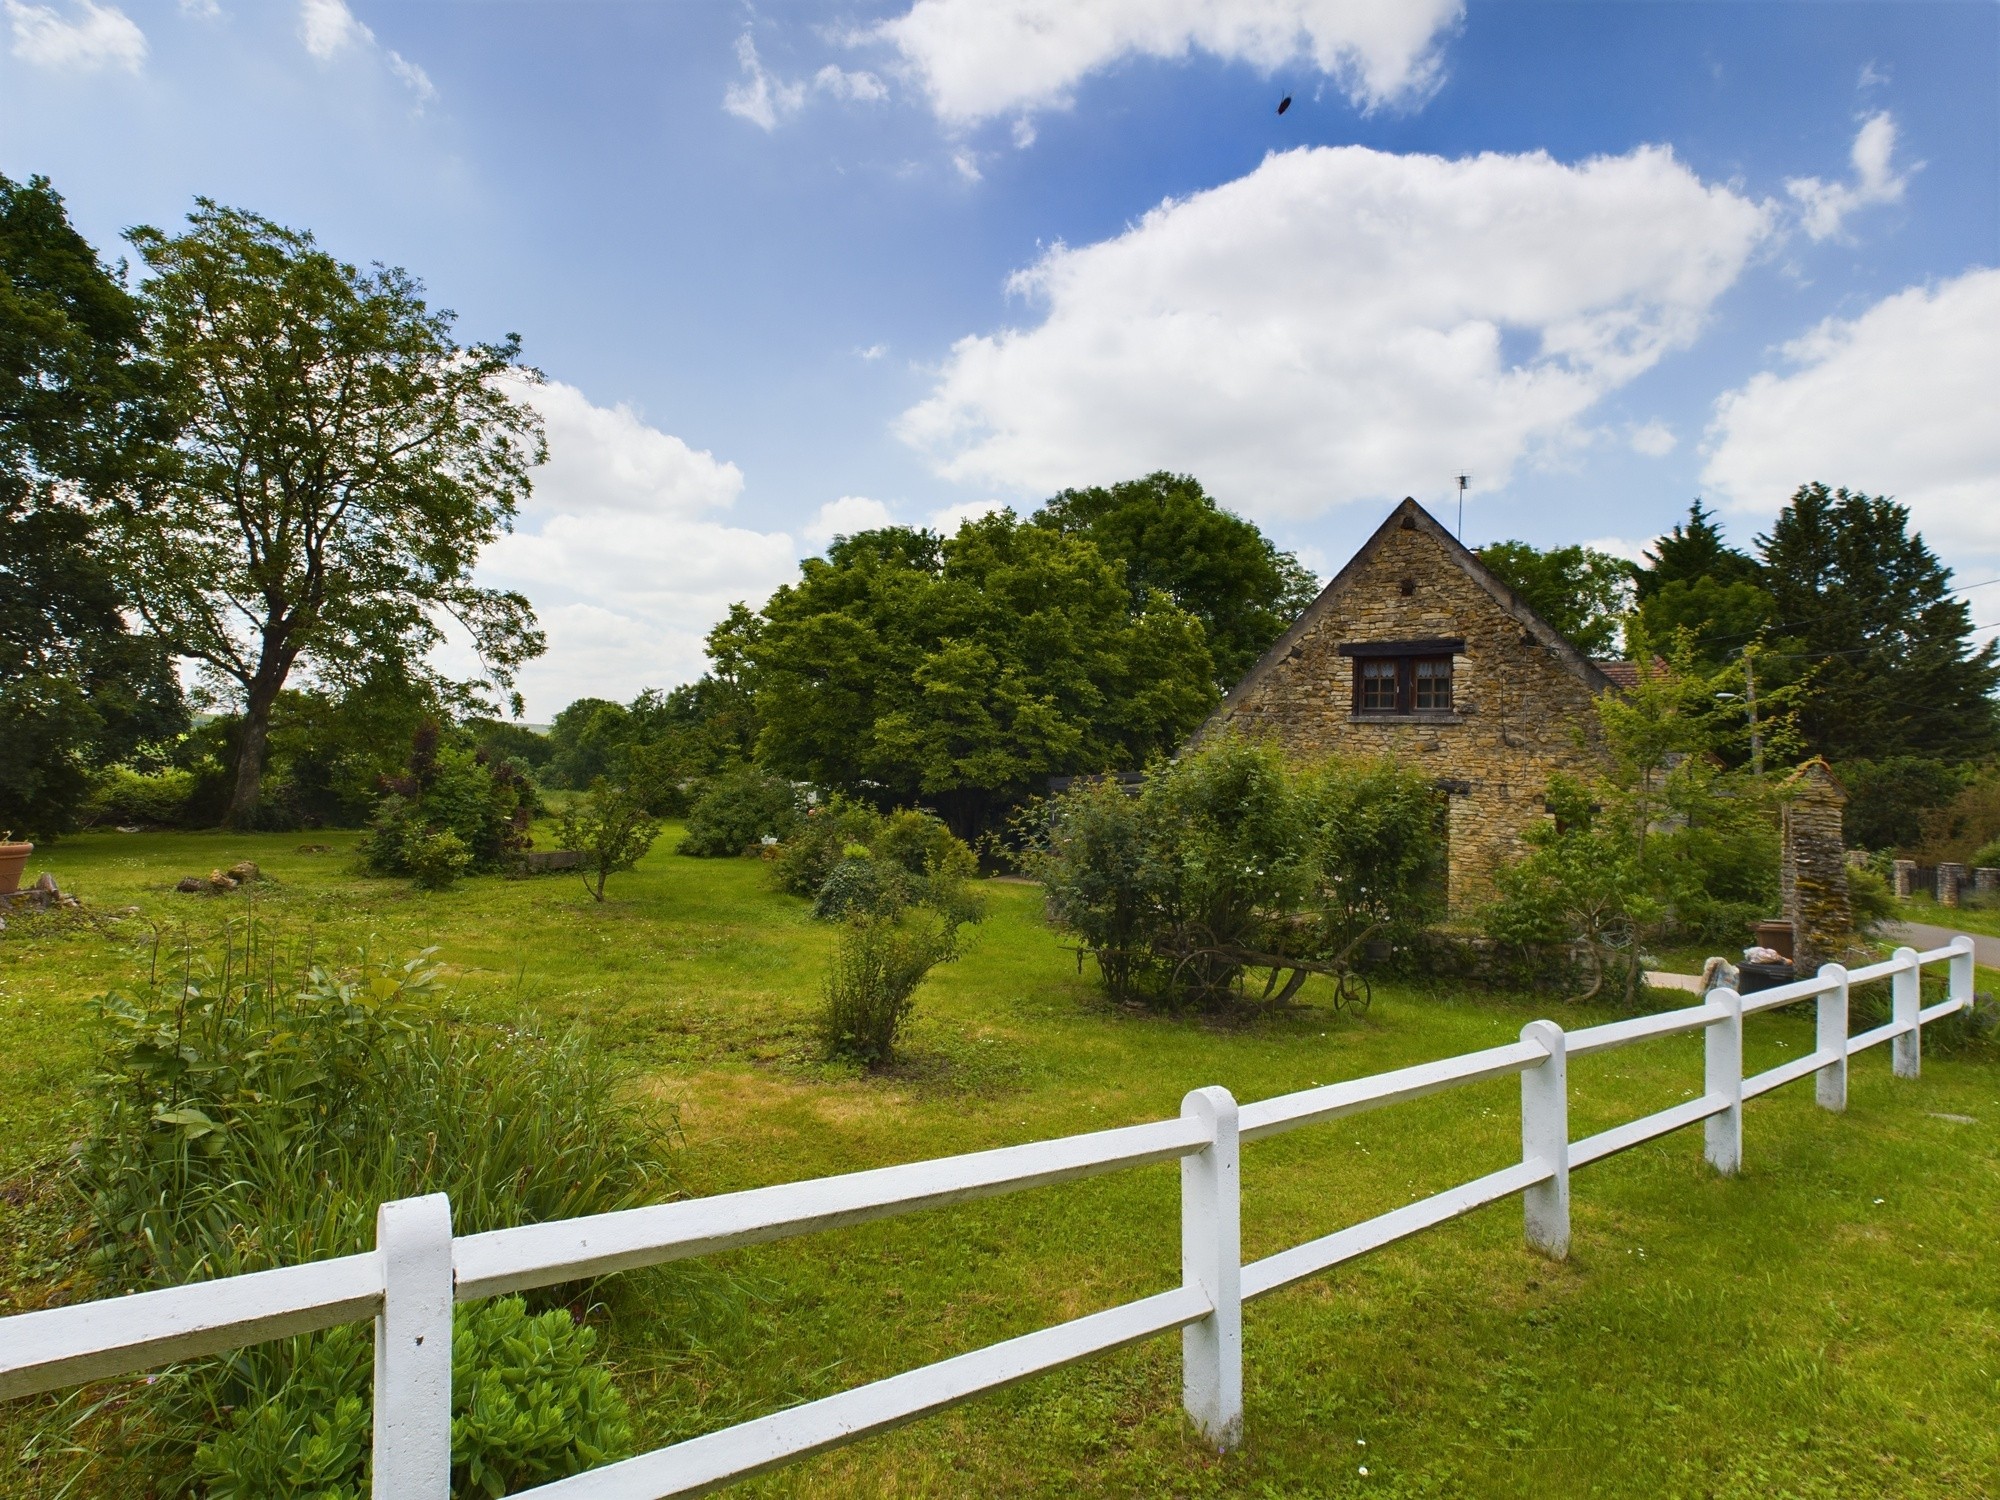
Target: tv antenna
1463	481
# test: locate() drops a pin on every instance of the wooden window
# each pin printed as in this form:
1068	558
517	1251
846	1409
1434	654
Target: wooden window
1433	684
1402	684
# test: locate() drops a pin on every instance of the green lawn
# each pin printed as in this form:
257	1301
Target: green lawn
1981	918
1826	1325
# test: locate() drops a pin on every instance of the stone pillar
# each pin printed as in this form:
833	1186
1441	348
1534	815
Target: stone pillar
1813	866
1986	881
1950	879
1903	873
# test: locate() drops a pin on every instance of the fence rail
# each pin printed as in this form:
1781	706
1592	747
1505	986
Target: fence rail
418	1269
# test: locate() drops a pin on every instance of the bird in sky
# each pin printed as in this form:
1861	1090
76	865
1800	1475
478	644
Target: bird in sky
1284	104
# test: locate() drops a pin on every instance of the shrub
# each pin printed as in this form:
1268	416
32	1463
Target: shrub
819	841
1234	859
738	810
1871	898
1986	856
435	860
529	1405
870	991
450	789
611	827
120	794
254	1107
861	886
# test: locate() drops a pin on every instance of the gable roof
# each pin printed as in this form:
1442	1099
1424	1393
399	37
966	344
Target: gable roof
1416	518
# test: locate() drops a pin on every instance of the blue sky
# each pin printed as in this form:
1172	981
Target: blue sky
798	269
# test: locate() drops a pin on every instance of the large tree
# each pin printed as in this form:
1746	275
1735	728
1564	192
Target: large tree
964	672
1695	587
1582	592
1174	539
77	687
341	459
1864	605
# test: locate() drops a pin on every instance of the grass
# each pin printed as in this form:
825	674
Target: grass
1825	1325
1970	916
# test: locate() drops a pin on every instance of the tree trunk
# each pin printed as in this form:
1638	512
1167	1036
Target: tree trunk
249	790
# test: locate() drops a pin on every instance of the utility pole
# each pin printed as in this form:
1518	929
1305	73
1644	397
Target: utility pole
1463	481
1750	703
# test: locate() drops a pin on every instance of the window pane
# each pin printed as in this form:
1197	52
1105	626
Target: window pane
1434	683
1378	687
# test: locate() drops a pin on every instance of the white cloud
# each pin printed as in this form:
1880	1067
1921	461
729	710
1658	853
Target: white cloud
847	516
201	10
89	37
764	99
1619	546
625	552
967	163
981	58
1024	133
761	97
1824	206
1654	439
946	522
329	30
872	352
863	88
1343	324
1898	401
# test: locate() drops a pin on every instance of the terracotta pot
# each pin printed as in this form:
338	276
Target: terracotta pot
13	860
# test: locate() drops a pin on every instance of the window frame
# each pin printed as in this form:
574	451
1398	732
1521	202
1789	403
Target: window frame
1404	672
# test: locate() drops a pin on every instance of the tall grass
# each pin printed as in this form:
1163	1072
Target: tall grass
256	1104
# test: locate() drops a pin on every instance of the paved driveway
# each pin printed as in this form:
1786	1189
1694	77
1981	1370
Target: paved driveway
1985	950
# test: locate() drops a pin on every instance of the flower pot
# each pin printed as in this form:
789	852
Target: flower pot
13	860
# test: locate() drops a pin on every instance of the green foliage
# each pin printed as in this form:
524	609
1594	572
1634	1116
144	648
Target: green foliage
451	811
529	1403
1966	824
504	740
961	673
1870	898
1670	843
122	795
738	810
1986	856
1888	798
871	986
1690	553
821	841
1175	540
610	826
253	1108
1867	605
341	493
1231	859
79	689
1584	594
860	886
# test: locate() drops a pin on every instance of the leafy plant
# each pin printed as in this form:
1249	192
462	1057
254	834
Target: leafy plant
739	808
1234	859
449	790
529	1404
610	826
870	989
436	860
255	1105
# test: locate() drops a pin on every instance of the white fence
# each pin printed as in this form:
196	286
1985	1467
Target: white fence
418	1269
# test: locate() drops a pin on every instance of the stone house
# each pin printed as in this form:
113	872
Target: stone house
1416	651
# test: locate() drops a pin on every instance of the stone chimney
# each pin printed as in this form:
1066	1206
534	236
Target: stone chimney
1812	870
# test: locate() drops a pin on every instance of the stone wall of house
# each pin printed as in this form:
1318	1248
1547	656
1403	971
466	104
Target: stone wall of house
1812	870
1519	711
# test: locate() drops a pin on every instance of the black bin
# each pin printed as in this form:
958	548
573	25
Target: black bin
1755	977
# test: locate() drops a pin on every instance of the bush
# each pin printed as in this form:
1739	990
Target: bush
861	886
1870	897
529	1405
121	795
819	842
253	1108
1233	859
1986	856
870	990
435	860
450	790
737	811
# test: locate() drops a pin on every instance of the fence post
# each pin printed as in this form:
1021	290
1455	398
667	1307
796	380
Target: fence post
1545	1138
1959	970
1722	1075
1830	1082
413	1351
1906	998
1212	1259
